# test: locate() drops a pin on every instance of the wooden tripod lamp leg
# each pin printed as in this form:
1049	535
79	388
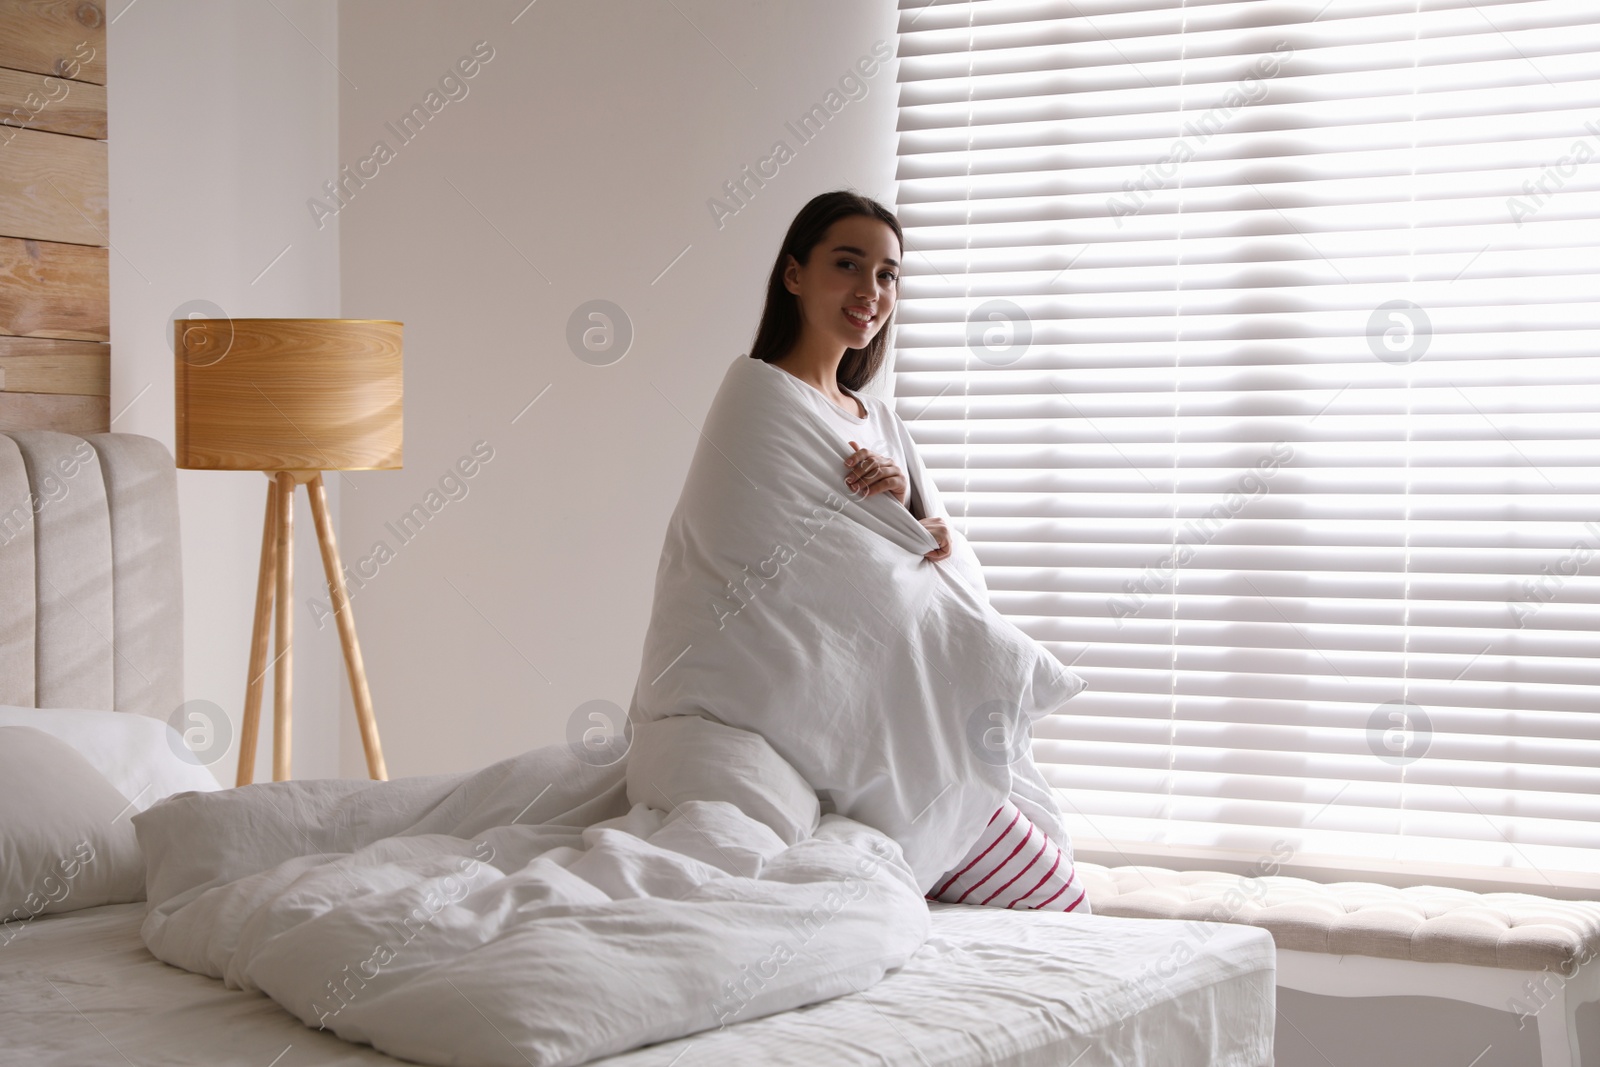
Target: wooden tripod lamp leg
283	673
347	631
258	642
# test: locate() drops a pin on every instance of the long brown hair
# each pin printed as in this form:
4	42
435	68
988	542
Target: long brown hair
780	319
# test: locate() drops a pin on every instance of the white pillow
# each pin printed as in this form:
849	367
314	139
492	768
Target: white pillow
66	839
144	758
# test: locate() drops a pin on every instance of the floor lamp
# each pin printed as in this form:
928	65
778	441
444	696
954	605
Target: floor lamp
291	398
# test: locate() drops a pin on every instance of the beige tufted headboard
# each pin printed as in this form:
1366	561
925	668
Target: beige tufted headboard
91	581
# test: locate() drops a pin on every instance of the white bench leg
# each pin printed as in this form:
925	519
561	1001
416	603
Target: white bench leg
1558	1032
1558	1018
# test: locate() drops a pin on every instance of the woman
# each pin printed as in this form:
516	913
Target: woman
831	335
830	296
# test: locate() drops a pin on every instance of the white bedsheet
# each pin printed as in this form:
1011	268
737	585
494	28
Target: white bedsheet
989	987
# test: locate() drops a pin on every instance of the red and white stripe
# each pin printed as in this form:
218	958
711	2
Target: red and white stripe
1013	865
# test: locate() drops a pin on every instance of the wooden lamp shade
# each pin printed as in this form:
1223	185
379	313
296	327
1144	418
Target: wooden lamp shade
292	398
288	394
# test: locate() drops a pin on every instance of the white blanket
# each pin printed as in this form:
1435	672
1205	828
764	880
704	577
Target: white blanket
787	605
540	911
547	910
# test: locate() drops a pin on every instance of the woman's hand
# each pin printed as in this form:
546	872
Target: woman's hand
941	534
869	472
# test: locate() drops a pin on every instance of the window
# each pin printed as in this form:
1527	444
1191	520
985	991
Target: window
1254	347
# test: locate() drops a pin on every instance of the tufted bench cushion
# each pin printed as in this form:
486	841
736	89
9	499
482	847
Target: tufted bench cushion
1424	923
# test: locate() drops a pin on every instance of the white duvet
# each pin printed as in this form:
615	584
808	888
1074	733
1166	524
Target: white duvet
787	605
540	911
824	721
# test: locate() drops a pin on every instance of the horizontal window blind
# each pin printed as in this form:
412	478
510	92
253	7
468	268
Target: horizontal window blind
1253	346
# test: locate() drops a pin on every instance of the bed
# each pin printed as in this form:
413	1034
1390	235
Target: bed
80	987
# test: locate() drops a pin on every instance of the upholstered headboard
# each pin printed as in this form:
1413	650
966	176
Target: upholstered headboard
91	582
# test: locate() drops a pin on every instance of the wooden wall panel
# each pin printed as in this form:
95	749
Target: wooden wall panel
37	365
53	188
44	102
49	411
66	38
54	290
55	294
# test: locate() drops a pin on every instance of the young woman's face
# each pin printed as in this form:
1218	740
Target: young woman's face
853	275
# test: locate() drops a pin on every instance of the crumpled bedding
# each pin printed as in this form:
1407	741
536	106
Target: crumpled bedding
543	910
823	722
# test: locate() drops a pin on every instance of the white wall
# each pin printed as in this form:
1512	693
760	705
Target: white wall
223	118
578	166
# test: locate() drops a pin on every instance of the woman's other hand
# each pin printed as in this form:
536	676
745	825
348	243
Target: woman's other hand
869	472
941	534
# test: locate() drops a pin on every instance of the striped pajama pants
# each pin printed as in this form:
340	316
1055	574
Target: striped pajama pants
1013	865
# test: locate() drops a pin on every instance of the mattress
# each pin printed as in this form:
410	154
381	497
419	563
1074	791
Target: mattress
989	987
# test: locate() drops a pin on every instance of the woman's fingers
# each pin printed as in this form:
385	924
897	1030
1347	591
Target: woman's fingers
880	481
941	534
873	473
